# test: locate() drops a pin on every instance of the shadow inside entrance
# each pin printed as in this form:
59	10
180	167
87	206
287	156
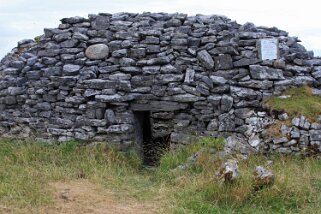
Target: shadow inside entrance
152	148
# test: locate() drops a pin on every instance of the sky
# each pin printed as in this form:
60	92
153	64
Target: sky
26	19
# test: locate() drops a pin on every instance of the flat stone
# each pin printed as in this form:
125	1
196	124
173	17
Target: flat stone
44	106
17	64
229	171
217	80
70	43
265	73
303	80
226	123
295	133
226	103
291	143
80	36
97	51
70	70
191	90
62	36
181	138
101	23
75	99
315	135
72	20
120	53
298	69
179	42
91	92
284	150
143	81
208	81
255	141
316	92
151	69
214	99
167	78
202	88
285	129
316	126
224	50
159	106
257	84
99	84
110	116
263	177
245	62
127	62
169	69
244	93
14	91
186	98
223	62
313	62
120	129
205	58
213	125
317	74
283	116
138	53
116	98
296	121
158	61
280	140
244	113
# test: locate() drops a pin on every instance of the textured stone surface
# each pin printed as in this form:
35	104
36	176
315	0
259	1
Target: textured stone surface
265	73
263	177
229	171
97	51
90	79
315	135
70	69
205	58
224	62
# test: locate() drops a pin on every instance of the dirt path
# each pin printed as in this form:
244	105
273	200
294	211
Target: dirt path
83	197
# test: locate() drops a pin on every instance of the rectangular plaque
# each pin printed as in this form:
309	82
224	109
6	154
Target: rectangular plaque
269	49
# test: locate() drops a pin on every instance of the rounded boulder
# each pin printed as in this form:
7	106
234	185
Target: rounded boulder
97	51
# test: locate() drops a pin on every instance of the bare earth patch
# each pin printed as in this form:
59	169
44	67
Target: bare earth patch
85	197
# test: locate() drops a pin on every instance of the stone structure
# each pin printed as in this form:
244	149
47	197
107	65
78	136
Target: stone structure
131	78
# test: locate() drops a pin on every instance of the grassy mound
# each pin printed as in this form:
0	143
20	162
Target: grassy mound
27	169
301	102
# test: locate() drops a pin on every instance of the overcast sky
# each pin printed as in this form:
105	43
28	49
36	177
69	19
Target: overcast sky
24	19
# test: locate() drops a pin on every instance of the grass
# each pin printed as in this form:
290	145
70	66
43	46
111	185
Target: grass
301	102
27	169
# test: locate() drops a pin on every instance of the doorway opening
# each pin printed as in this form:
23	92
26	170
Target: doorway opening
151	147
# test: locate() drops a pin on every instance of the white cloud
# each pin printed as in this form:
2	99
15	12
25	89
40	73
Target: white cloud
22	19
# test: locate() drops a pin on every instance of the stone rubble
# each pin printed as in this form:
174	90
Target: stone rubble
298	138
229	171
263	177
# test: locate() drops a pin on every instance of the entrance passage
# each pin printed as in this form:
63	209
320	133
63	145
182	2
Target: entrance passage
151	147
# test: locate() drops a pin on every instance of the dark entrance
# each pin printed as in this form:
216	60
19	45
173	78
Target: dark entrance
151	147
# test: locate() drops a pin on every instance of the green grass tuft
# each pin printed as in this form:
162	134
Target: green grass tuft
301	102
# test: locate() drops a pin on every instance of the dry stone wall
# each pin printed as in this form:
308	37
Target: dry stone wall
105	77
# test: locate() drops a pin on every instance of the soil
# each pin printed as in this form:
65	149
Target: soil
84	197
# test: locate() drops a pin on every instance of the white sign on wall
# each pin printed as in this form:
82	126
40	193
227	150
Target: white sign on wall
269	49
